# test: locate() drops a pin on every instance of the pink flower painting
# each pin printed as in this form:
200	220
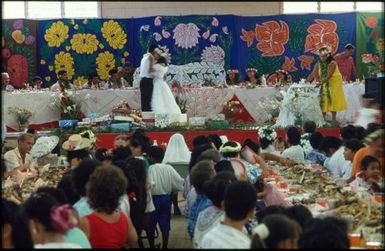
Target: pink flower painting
186	35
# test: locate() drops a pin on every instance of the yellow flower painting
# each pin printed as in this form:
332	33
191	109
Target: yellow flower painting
105	62
18	36
56	34
64	62
80	81
84	43
114	34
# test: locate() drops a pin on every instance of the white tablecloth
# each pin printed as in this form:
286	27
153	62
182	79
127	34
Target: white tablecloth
206	101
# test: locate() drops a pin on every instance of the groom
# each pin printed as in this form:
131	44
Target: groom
146	81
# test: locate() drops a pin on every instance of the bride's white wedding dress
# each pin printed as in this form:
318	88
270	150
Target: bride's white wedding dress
163	100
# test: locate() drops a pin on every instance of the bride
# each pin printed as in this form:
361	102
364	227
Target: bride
163	100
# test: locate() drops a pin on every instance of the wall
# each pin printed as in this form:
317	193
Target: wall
143	9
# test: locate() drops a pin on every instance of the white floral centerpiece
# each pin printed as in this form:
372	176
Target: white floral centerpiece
267	132
69	103
23	115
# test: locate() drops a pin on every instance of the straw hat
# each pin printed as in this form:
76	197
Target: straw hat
44	145
76	142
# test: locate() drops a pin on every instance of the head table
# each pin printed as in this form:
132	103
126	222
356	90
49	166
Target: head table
201	102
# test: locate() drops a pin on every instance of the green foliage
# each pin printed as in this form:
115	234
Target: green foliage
85	63
185	56
266	65
200	21
298	32
6	31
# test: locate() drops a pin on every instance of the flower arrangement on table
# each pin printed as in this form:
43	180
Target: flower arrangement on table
23	115
373	63
272	106
267	132
230	108
69	103
180	97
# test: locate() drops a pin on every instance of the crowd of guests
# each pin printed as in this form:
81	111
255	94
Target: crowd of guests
117	79
110	198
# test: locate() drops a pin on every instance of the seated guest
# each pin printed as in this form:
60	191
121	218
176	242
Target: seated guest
299	213
200	173
216	140
127	74
62	83
274	209
77	149
351	147
252	78
5	85
232	77
280	145
330	145
121	140
93	82
49	221
121	153
276	231
114	81
163	180
309	127
280	77
213	215
107	227
375	148
325	233
238	211
267	135
15	227
103	155
295	151
223	166
19	159
37	82
316	156
200	140
369	177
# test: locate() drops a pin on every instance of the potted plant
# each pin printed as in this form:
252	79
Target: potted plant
23	115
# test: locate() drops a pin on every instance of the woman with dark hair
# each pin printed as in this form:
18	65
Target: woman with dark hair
252	78
93	82
330	80
232	77
162	100
15	232
138	146
49	221
106	226
295	151
216	140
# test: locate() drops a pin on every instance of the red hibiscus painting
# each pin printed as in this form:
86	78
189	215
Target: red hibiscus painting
271	37
306	62
18	70
289	65
320	34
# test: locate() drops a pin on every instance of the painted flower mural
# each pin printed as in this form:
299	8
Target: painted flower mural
105	62
84	43
64	62
18	36
320	34
371	22
289	65
214	54
80	81
306	62
56	34
247	36
18	70
271	37
186	35
167	52
114	34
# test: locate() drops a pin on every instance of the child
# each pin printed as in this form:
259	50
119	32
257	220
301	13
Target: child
351	147
238	211
280	144
276	231
163	179
369	177
316	156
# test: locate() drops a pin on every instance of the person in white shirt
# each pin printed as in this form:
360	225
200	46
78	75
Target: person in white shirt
62	83
215	214
350	149
334	150
19	159
163	179
5	85
295	151
238	211
146	81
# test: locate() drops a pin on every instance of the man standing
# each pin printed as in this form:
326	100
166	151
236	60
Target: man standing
146	81
19	158
62	82
345	63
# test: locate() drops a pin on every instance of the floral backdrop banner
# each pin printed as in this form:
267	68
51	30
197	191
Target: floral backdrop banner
291	42
18	55
370	30
82	46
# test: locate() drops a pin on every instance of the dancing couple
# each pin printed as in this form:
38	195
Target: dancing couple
155	94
